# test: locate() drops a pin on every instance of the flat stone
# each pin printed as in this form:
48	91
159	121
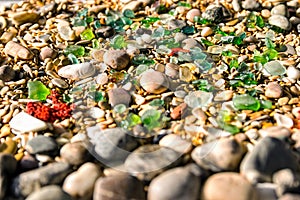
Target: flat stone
60	83
220	155
257	165
23	17
214	13
24	122
191	14
119	187
149	160
279	132
17	50
49	193
31	181
8	166
112	145
280	21
273	90
228	186
7	73
42	145
77	71
119	96
283	120
154	82
78	185
47	52
176	143
225	95
116	59
177	183
98	54
75	153
279	9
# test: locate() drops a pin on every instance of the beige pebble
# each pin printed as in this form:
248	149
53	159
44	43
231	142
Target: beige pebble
265	13
17	50
207	31
191	14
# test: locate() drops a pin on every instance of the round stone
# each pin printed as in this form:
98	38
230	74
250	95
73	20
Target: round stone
273	90
293	73
116	59
191	14
49	193
206	31
7	73
42	145
74	153
280	21
47	52
154	82
279	10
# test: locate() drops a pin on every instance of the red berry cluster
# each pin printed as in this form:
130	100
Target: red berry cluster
57	111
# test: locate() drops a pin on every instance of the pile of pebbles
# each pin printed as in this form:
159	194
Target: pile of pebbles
174	112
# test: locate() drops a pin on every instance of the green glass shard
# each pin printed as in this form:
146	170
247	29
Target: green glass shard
37	90
128	13
245	102
120	108
118	42
87	34
157	102
188	30
77	50
73	58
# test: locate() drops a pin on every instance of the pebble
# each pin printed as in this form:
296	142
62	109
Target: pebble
191	14
112	145
280	21
178	111
121	186
279	9
102	79
214	13
180	37
175	23
198	99
293	73
189	43
23	17
228	186
7	73
47	52
132	5
154	82
77	71
265	13
119	96
42	145
171	70
279	132
148	161
105	32
286	181
283	120
75	153
28	162
17	50
273	90
236	5
290	196
65	31
31	181
9	146
49	193
24	122
98	54
206	31
257	167
220	155
78	185
176	143
199	114
116	59
60	83
250	4
224	95
177	183
8	166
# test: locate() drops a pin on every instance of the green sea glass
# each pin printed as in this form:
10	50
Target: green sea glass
75	49
37	90
246	102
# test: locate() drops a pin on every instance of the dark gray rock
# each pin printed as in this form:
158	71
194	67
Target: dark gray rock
7	73
50	192
31	181
119	96
174	23
105	31
260	164
8	165
175	184
119	187
214	13
112	146
28	162
42	145
149	160
219	155
75	153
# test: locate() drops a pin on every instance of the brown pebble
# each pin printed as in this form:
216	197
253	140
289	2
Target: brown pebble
17	50
178	111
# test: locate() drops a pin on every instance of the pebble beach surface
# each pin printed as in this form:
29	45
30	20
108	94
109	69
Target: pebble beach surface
158	100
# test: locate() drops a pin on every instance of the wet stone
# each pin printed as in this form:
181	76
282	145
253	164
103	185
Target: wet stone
42	145
257	167
77	71
75	153
228	184
49	193
273	90
78	185
119	187
7	73
17	50
116	59
119	96
149	160
28	182
280	21
177	183
220	155
154	82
